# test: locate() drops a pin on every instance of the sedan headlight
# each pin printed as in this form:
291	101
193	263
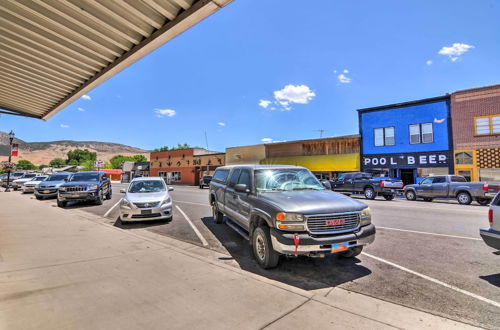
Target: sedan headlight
166	201
290	221
126	203
92	187
366	217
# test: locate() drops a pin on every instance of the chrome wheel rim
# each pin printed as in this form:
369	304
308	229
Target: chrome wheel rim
260	247
463	198
369	193
410	195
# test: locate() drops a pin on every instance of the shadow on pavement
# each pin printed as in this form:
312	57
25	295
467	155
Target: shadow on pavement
493	279
139	224
301	272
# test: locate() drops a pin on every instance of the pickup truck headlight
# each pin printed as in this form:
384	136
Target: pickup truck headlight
366	217
62	188
92	187
292	221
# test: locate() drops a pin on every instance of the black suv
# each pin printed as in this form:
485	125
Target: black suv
92	186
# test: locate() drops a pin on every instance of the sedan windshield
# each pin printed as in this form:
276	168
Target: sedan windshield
286	180
85	177
57	177
39	178
146	186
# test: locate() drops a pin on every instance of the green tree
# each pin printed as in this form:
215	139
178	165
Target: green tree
41	167
117	161
179	147
88	165
25	165
139	158
57	162
81	156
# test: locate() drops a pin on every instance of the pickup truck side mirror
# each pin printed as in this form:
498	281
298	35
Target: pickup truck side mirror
122	191
66	180
170	188
241	188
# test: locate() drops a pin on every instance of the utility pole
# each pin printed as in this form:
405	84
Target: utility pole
11	139
321	132
206	139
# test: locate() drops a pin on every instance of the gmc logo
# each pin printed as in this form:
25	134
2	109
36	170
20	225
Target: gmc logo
335	222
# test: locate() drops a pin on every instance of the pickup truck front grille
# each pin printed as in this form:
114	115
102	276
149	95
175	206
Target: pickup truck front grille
333	223
146	205
76	188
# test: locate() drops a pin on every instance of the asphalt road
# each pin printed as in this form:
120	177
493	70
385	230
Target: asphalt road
427	256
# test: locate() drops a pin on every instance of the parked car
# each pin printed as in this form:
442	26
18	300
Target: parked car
13	176
452	186
20	180
50	186
205	181
491	235
284	210
367	184
92	186
29	186
146	198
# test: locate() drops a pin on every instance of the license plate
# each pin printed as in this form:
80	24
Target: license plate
392	190
339	247
146	212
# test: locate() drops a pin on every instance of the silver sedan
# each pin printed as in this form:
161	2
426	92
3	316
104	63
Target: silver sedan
146	198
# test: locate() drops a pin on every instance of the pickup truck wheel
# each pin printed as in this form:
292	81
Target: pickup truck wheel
263	248
100	198
389	197
464	198
370	193
218	216
483	201
410	195
109	194
352	252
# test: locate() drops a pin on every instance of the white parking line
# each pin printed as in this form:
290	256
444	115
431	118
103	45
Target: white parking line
433	280
200	236
194	203
427	233
112	207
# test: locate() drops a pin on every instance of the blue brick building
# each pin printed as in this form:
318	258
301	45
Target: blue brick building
407	140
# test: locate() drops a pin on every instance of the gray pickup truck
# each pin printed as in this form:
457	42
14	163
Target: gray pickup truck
284	210
452	186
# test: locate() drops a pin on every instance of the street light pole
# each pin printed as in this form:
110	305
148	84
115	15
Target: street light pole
11	139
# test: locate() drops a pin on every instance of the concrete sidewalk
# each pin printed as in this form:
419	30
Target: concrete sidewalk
63	269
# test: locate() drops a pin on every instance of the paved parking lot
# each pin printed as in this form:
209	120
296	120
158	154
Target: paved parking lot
427	256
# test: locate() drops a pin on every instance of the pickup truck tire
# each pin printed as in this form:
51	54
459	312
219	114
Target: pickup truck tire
216	214
370	193
389	197
109	194
483	201
464	198
263	248
61	203
410	195
352	252
100	198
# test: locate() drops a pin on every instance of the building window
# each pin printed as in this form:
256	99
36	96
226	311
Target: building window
176	176
464	158
421	133
487	125
384	136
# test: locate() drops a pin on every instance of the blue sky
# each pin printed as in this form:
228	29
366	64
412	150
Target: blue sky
313	63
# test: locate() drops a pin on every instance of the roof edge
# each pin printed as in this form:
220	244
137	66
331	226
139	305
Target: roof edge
405	104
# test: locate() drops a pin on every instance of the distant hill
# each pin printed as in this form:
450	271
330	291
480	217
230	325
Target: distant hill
43	152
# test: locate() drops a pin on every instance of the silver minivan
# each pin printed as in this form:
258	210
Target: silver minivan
146	198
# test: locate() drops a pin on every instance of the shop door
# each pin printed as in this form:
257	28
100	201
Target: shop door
466	173
407	176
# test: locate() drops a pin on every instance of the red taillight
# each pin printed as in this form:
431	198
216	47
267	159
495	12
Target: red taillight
485	187
382	184
490	216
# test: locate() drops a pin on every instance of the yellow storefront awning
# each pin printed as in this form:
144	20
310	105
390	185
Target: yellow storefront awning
322	163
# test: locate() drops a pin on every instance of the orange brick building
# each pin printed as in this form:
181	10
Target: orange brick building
185	166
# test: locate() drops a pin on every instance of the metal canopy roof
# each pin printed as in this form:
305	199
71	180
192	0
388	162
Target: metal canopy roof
52	51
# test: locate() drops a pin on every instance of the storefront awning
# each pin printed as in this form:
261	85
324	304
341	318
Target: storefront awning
53	52
322	163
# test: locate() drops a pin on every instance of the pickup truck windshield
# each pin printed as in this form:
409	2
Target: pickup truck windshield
286	180
57	177
146	186
85	177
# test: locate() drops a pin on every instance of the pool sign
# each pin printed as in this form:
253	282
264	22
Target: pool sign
418	159
98	163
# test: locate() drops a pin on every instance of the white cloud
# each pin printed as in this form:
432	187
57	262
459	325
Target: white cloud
160	113
346	71
344	79
294	94
428	62
80	109
221	124
266	140
334	71
454	51
86	97
64	126
264	103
